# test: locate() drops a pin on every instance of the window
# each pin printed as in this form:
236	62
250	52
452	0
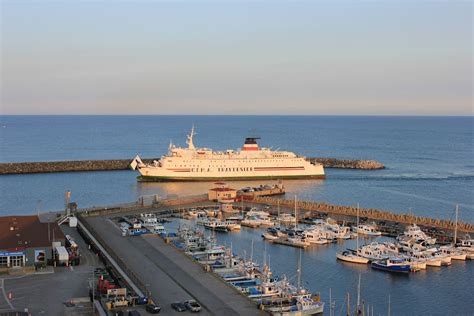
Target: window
16	261
3	262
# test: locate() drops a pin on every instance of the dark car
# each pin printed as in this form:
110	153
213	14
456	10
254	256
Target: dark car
153	308
133	313
178	306
193	306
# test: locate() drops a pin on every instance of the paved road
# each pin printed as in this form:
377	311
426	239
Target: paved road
171	275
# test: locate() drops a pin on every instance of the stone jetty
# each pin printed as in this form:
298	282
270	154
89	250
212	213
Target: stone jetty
348	163
123	164
370	213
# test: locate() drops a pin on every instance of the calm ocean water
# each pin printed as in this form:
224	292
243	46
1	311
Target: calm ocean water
430	169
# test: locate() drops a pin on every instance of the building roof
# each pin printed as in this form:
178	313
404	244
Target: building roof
20	232
221	189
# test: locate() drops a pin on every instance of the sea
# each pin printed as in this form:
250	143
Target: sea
429	170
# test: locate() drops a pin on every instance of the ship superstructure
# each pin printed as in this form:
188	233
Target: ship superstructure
204	164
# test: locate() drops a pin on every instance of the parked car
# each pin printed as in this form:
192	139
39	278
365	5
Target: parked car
178	306
153	308
193	306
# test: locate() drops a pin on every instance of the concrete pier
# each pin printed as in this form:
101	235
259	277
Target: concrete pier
168	274
123	164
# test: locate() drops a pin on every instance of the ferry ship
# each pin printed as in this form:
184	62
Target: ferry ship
248	163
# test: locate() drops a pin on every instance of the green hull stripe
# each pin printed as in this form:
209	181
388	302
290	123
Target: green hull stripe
158	178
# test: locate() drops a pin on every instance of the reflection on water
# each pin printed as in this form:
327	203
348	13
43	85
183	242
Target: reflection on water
191	188
429	292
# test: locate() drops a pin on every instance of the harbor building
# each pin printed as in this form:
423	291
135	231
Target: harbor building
25	241
222	193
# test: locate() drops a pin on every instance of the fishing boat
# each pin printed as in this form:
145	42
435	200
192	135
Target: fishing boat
398	265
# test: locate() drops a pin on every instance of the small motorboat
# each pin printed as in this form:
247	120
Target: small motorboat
398	265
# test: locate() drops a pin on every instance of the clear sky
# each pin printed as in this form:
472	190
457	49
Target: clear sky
235	57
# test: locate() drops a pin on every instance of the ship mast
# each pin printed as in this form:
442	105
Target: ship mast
189	139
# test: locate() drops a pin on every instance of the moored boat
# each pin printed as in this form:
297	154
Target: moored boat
397	265
351	256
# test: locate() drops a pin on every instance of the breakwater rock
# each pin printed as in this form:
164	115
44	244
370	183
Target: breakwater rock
63	166
123	164
370	213
348	163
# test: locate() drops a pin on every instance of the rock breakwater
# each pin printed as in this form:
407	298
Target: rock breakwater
123	164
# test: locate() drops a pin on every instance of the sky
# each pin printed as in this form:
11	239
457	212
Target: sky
237	57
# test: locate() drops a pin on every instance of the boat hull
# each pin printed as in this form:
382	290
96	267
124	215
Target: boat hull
221	178
395	268
352	259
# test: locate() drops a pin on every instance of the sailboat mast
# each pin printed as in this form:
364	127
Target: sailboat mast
299	273
456	226
357	229
296	217
278	208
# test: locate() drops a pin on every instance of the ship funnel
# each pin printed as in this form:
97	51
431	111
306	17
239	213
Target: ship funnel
251	144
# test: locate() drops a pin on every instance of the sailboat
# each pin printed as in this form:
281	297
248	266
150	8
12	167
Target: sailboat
351	255
452	251
295	239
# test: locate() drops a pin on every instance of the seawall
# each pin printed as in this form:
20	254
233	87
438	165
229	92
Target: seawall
122	164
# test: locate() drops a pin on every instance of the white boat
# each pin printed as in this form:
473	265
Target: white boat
148	219
298	241
414	232
445	260
315	236
351	256
416	263
338	231
215	224
467	245
232	224
368	230
286	219
204	164
453	252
